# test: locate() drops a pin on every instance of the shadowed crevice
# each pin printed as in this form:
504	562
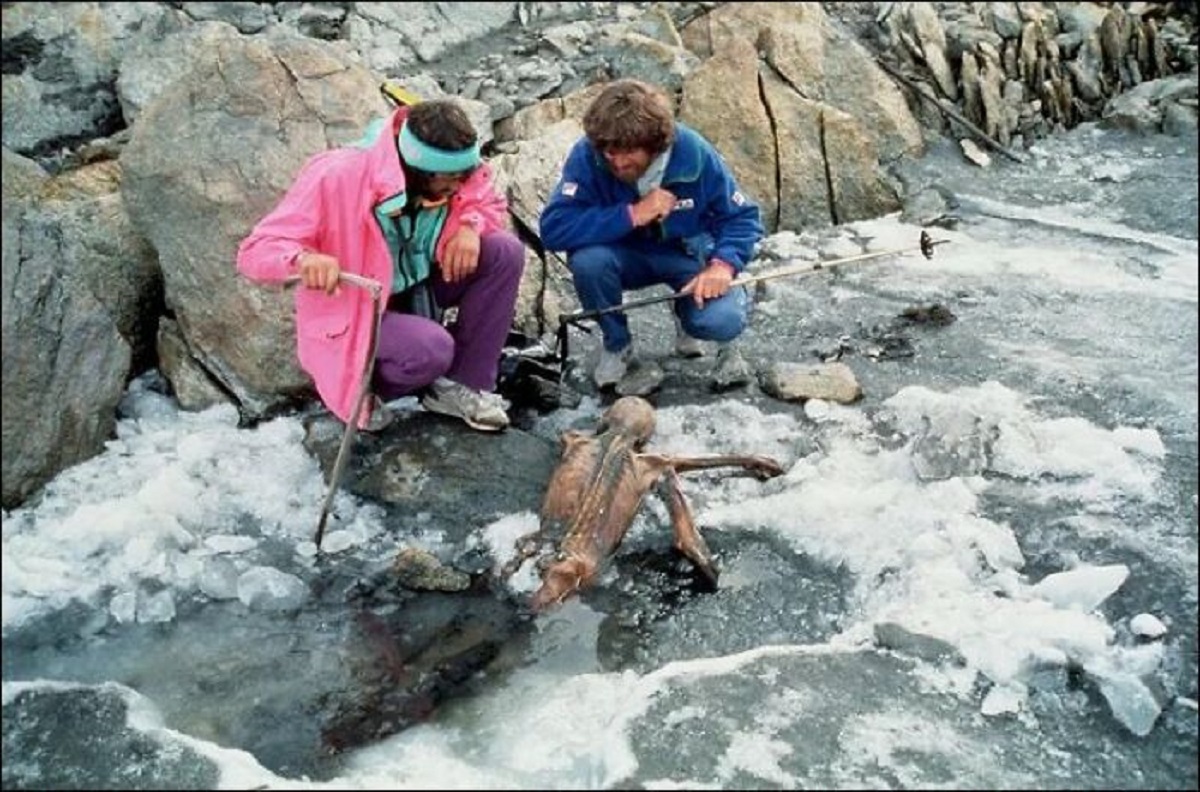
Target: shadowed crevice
833	213
762	95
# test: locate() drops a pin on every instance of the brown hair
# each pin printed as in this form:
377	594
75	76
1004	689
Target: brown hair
442	124
630	114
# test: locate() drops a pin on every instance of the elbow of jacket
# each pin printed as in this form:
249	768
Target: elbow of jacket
243	261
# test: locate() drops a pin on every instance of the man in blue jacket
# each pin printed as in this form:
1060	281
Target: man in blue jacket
645	200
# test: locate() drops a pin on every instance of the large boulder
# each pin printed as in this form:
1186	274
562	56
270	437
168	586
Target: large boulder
801	113
211	155
527	173
807	162
819	62
79	294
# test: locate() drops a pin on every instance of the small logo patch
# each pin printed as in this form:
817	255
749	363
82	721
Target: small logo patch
685	203
569	188
738	198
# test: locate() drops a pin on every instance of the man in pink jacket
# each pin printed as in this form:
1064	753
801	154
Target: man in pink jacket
413	207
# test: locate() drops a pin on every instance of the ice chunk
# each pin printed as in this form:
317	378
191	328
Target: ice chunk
1003	699
1147	625
956	444
337	541
268	589
228	543
1127	678
1131	701
1083	588
158	607
123	607
219	579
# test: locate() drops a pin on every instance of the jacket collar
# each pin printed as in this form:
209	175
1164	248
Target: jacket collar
684	164
686	157
386	177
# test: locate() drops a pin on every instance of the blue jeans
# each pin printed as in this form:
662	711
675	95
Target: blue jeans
602	272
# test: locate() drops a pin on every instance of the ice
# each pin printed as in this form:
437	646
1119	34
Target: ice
1004	699
123	607
219	579
757	755
268	589
1147	625
1083	588
959	447
227	543
1131	701
157	607
841	246
500	537
338	541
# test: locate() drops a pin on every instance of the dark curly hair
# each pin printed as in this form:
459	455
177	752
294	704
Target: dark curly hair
630	114
442	124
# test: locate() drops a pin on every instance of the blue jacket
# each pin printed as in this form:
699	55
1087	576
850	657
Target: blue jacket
590	206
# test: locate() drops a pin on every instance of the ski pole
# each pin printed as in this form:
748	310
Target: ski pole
364	390
926	246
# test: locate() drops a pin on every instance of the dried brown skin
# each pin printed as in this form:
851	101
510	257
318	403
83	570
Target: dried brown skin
597	489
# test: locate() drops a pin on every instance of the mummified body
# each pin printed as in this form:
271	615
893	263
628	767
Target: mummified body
596	491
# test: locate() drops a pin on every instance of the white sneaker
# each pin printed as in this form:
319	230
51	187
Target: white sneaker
482	411
685	345
611	366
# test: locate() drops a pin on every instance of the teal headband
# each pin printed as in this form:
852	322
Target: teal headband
423	156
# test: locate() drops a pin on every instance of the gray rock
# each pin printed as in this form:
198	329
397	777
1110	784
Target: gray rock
421	571
731	370
246	17
193	387
65	359
643	378
428	463
61	66
798	382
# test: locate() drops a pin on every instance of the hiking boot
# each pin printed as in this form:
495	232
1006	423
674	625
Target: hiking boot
642	378
381	417
479	410
685	345
731	369
611	366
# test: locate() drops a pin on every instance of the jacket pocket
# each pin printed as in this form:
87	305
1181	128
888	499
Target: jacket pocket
326	328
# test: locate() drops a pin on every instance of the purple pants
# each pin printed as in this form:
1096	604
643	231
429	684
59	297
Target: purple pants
414	351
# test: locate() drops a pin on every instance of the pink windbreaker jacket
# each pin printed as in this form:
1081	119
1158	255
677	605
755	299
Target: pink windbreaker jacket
330	209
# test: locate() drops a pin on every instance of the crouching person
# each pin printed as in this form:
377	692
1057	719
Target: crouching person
643	200
413	207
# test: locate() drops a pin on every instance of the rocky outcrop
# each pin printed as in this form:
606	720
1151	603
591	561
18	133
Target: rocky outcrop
800	111
1021	70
